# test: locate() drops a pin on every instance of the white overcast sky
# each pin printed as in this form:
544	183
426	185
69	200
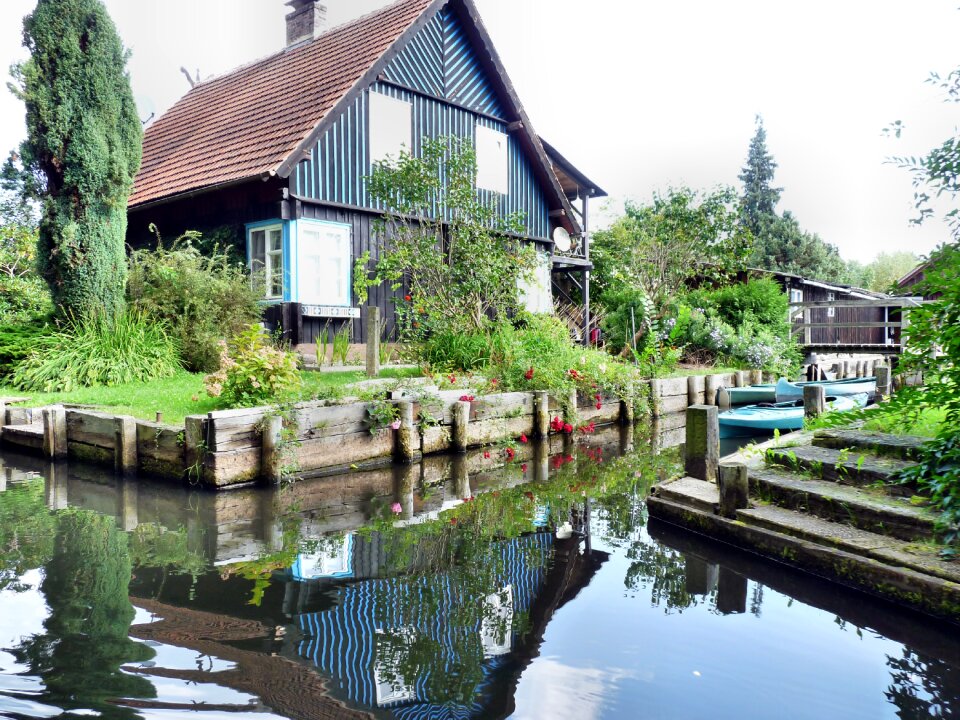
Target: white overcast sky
642	94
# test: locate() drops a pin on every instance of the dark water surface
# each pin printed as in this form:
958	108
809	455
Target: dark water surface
548	593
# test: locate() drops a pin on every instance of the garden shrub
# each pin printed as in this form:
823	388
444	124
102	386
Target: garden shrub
537	353
99	350
760	300
17	342
459	351
254	372
203	298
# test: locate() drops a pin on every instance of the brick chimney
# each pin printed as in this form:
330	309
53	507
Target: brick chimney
307	21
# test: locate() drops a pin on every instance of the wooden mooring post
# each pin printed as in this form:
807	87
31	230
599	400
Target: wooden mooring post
408	438
541	413
734	487
271	462
54	432
814	400
702	447
373	341
883	380
460	425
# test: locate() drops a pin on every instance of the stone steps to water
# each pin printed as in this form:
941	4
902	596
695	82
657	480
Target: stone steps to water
867	509
829	508
850	467
905	447
881	547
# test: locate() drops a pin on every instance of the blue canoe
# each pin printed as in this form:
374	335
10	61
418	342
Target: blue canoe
785	416
785	390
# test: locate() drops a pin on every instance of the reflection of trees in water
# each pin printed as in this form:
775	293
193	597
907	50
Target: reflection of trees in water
26	532
923	687
86	639
665	572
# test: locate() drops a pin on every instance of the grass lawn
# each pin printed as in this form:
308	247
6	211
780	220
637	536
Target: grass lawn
181	395
927	425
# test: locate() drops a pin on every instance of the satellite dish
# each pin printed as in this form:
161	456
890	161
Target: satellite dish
561	238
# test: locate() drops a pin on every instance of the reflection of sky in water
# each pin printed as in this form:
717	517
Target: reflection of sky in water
795	661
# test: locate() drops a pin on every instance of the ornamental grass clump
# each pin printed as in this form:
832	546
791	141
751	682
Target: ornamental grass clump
254	372
99	350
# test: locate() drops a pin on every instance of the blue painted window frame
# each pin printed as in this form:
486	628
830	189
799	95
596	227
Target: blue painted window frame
294	251
284	226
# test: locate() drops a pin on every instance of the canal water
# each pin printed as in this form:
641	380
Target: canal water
539	589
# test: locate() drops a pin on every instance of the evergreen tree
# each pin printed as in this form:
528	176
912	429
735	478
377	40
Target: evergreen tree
760	198
84	141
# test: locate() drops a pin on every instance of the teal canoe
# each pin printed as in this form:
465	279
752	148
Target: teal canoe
785	390
785	416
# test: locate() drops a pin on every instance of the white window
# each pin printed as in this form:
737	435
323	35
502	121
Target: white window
535	292
492	163
323	263
796	296
391	127
831	297
266	256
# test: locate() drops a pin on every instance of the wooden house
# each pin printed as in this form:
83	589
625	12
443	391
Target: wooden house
851	328
274	156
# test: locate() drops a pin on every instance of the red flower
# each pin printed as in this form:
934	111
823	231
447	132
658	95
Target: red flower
523	438
453	521
407	298
567	428
599	406
523	468
494	382
510	453
529	374
467	398
556	424
597	397
529	495
452	379
486	455
416	324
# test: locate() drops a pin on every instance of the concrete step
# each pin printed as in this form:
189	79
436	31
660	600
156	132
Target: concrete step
850	467
866	509
904	447
901	572
690	491
915	556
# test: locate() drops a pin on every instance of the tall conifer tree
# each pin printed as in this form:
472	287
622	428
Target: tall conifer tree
84	140
760	197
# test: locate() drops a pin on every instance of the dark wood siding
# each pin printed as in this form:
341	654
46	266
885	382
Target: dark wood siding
840	335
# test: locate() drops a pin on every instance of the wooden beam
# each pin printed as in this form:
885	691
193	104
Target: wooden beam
799	326
558	213
514	126
891	302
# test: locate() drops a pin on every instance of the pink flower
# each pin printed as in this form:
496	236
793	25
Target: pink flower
523	438
396	508
395	424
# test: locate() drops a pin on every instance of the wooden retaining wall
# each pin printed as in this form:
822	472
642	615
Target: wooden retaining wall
235	447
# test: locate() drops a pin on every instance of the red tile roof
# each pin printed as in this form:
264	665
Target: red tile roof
247	122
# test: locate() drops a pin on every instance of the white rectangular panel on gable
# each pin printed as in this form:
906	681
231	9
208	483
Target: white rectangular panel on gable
492	161
391	127
323	263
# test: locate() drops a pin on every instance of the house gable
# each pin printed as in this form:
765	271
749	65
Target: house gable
442	62
439	74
